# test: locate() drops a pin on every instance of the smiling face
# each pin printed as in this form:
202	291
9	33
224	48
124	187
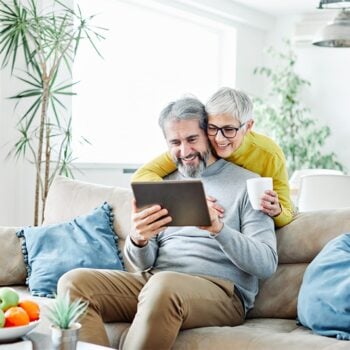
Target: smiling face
222	145
188	146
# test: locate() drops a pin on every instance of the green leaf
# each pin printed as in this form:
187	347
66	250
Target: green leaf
65	312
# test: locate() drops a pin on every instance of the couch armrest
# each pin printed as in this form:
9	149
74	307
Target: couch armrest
13	269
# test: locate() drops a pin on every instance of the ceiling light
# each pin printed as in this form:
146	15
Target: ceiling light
334	4
336	33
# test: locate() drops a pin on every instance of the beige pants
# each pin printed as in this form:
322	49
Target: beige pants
157	304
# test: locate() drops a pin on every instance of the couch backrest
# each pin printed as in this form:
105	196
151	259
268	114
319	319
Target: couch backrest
297	243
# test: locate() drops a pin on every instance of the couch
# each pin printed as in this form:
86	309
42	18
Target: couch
270	325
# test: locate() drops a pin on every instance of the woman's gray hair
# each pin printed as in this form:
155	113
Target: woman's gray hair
187	108
233	102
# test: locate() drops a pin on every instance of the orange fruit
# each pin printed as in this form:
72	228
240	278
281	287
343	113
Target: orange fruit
31	308
16	316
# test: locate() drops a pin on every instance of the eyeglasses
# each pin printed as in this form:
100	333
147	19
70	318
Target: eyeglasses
227	131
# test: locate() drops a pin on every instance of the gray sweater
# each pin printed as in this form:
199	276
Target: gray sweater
243	252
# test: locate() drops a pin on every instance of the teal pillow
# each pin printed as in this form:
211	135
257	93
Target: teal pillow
86	241
324	296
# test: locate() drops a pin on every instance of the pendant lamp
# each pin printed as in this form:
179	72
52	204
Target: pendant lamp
336	33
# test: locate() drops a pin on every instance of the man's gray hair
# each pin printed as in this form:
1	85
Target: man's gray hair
230	101
187	108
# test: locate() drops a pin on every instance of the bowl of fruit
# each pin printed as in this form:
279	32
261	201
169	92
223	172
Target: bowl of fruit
17	317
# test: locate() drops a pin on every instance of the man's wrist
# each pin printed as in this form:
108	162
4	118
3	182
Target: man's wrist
216	231
138	242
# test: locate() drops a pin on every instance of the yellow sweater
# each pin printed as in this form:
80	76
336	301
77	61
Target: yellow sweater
257	153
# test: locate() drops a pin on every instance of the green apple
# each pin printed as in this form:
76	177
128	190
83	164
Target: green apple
8	298
2	318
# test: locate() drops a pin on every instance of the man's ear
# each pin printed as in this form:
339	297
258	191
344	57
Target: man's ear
249	125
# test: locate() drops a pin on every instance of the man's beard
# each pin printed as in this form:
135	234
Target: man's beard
191	170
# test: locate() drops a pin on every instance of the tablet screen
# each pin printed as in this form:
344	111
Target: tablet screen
184	200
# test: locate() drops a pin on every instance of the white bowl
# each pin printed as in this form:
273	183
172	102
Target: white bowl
11	333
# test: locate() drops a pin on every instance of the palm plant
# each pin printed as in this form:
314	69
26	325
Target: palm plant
48	39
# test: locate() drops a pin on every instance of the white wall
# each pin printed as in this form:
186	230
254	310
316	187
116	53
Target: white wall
329	95
16	176
250	45
328	70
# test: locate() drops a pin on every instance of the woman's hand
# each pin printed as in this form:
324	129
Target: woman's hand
270	204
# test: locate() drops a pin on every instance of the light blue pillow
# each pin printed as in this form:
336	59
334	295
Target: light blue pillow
324	296
86	241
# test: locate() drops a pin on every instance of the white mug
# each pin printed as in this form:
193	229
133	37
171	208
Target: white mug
256	188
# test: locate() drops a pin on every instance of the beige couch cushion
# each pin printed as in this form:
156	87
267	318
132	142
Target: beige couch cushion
297	244
257	334
12	267
306	235
278	294
69	198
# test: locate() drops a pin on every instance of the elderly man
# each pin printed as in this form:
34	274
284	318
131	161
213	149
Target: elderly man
189	277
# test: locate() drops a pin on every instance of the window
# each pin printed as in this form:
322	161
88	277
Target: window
153	54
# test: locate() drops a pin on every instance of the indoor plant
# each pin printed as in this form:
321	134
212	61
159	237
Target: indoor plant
64	315
47	39
282	116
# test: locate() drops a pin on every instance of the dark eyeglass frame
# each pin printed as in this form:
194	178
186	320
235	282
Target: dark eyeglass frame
222	130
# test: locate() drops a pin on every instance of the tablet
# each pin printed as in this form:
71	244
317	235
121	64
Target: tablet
185	200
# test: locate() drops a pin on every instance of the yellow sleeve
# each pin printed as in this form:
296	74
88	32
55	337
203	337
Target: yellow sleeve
156	169
281	186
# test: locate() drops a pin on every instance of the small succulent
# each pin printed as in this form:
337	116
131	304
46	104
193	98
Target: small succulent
65	312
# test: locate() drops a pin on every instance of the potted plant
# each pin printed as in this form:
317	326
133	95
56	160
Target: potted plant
65	315
47	39
282	116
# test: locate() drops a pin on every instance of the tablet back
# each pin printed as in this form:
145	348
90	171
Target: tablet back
185	200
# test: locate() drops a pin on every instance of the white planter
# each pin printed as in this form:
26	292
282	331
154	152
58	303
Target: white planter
65	339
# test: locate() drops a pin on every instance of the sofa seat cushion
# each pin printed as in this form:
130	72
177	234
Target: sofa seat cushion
256	334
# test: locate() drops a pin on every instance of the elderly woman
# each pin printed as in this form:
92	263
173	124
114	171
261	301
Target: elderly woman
229	130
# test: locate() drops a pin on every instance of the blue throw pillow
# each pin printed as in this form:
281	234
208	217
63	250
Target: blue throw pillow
86	241
324	296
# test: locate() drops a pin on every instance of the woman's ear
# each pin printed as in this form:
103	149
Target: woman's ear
249	125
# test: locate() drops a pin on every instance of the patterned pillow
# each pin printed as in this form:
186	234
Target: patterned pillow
86	241
324	296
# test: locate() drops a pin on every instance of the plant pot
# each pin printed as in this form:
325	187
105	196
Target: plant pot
65	339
